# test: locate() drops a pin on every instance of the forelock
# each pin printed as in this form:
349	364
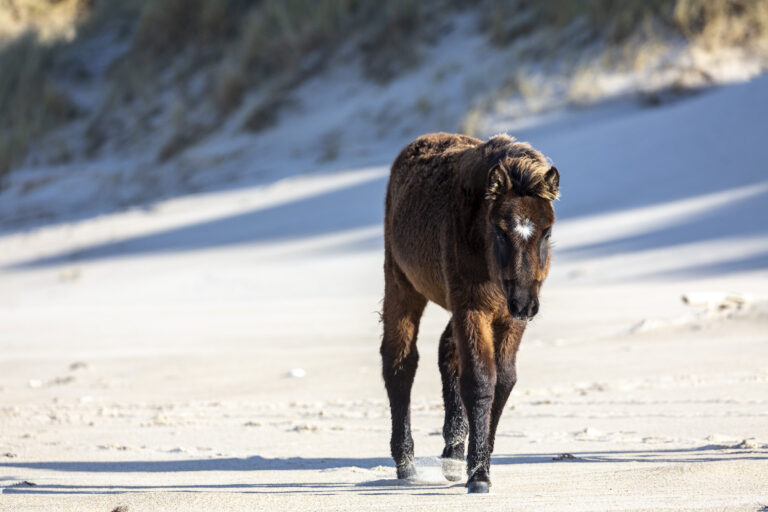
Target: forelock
525	166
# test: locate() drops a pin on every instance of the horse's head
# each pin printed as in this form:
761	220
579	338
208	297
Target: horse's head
520	219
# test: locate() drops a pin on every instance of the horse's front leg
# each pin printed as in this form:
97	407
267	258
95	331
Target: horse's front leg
507	340
477	383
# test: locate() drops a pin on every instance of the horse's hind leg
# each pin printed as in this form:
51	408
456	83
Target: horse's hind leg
455	427
403	307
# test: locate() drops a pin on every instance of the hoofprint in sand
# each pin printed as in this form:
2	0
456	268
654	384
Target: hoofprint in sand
220	351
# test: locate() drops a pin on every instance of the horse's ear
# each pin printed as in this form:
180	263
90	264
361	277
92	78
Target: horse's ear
498	183
552	179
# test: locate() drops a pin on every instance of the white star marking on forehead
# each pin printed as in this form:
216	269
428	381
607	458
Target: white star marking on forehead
524	228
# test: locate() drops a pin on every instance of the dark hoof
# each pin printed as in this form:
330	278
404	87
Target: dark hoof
453	469
406	472
478	487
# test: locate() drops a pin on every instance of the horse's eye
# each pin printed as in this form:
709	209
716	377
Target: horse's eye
544	248
501	247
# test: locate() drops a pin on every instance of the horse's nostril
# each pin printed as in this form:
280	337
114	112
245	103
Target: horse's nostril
533	307
523	308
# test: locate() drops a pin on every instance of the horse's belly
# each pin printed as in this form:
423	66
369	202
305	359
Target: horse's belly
424	274
428	288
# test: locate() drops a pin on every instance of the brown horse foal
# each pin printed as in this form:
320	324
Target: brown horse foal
467	226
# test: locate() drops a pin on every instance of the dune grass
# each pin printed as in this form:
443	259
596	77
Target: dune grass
30	102
49	19
711	22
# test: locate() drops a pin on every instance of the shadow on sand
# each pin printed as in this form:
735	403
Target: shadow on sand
356	206
360	205
703	454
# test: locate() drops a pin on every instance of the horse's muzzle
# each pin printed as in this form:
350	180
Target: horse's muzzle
523	308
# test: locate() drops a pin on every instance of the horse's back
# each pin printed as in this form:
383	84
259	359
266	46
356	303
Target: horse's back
424	159
419	203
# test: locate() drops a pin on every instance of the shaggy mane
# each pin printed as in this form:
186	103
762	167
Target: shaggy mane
525	166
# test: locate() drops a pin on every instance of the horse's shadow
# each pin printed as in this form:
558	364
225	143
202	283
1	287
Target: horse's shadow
253	465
